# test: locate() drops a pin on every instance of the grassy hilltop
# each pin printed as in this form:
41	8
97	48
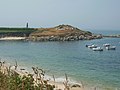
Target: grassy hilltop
61	30
62	33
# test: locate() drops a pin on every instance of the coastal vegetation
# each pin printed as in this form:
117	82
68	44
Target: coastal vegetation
4	30
7	32
14	80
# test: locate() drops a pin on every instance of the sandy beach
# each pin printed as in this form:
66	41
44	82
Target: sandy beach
12	38
59	85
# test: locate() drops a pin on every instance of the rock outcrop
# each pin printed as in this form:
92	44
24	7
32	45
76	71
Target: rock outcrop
62	33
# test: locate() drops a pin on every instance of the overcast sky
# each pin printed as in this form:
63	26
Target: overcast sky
85	14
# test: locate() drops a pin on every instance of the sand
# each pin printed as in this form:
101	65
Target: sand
59	85
12	38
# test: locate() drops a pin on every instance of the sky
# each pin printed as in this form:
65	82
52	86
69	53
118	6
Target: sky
84	14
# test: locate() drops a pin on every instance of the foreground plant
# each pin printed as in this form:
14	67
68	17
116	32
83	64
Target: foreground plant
11	80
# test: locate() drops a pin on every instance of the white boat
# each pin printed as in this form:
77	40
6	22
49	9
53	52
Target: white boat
92	46
111	48
106	45
97	49
89	45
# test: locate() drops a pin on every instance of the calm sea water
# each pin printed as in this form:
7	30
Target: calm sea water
101	69
106	32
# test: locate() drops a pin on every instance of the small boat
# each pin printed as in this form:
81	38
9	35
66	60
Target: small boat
92	46
111	48
106	45
97	49
88	45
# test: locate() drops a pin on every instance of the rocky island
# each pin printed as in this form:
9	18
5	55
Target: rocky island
62	33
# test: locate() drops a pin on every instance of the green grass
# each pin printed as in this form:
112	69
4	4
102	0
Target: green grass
13	30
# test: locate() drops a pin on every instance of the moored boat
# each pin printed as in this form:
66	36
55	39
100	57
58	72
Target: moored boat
106	45
97	49
92	46
111	48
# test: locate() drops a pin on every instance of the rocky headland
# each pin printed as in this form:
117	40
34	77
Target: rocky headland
58	33
62	33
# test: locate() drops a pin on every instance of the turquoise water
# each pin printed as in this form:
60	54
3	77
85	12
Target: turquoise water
101	69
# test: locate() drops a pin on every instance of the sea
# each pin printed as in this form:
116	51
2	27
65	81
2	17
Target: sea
81	64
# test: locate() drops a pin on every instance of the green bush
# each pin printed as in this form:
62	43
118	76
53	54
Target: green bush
15	82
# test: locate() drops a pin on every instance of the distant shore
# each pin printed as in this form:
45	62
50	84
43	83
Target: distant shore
112	36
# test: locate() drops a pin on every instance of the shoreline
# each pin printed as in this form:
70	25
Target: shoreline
17	38
23	72
12	38
44	39
59	83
